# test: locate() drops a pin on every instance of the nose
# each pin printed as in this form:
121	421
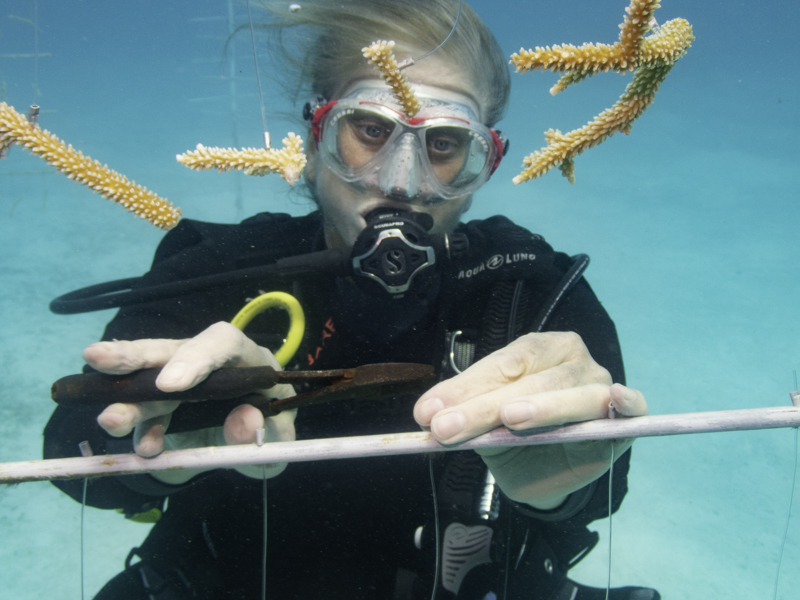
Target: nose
400	176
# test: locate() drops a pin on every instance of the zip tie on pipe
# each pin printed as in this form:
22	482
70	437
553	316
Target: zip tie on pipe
394	444
86	449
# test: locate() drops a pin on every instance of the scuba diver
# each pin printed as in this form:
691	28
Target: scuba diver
516	335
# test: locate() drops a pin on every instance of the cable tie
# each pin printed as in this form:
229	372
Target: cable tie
404	64
86	449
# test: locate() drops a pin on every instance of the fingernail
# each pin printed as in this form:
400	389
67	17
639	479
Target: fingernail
172	376
151	445
149	449
514	413
446	426
430	407
628	395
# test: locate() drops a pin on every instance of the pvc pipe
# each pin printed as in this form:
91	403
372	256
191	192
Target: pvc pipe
399	443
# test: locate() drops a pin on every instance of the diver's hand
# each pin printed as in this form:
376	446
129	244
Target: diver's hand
185	364
538	380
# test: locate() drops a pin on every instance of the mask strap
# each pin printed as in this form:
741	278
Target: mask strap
317	117
501	146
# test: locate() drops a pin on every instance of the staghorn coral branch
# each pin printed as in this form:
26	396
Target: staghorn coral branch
289	161
593	58
562	148
668	44
15	129
380	54
586	58
650	56
636	25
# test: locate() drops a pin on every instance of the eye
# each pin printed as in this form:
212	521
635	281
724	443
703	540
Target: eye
445	143
370	130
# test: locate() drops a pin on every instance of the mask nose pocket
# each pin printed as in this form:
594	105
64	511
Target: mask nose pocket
401	174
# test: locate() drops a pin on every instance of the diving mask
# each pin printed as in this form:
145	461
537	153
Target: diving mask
446	152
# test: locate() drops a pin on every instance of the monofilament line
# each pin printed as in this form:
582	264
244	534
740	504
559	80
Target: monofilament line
35	50
83	511
447	39
264	549
86	450
437	541
610	520
789	514
258	78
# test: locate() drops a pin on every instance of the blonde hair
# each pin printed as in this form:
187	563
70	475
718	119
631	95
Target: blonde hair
322	43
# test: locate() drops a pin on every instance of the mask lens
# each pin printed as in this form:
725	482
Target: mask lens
457	155
358	139
355	136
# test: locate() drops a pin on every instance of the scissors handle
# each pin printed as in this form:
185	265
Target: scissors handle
229	387
140	386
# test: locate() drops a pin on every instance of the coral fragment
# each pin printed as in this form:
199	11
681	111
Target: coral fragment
289	161
651	57
15	128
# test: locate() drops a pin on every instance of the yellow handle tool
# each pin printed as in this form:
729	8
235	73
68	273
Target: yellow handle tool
297	320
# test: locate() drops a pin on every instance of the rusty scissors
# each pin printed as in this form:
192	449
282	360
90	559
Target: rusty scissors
210	401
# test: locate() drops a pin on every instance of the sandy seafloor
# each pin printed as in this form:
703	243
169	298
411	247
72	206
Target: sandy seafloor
691	223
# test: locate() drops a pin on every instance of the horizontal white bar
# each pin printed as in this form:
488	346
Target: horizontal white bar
399	443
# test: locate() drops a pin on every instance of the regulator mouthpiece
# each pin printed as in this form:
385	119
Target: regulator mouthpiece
395	253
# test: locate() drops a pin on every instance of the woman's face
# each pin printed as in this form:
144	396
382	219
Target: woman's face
399	182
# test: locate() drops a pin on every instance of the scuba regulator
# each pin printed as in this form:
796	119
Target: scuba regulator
394	255
395	252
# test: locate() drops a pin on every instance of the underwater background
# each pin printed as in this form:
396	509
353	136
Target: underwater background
691	222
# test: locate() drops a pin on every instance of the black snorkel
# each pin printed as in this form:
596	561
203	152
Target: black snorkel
394	255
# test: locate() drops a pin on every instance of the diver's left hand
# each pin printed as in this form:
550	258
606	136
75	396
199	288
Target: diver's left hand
540	379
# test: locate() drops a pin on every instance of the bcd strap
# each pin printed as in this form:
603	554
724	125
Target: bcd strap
467	484
511	312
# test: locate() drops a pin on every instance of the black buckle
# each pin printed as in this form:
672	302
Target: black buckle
311	107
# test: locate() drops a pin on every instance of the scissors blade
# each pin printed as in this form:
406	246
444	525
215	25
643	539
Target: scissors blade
377	381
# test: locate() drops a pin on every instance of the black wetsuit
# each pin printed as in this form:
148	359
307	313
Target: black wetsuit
345	529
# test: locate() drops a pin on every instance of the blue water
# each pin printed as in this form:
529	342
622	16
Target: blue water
691	223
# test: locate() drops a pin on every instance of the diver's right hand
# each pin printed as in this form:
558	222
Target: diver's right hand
185	364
